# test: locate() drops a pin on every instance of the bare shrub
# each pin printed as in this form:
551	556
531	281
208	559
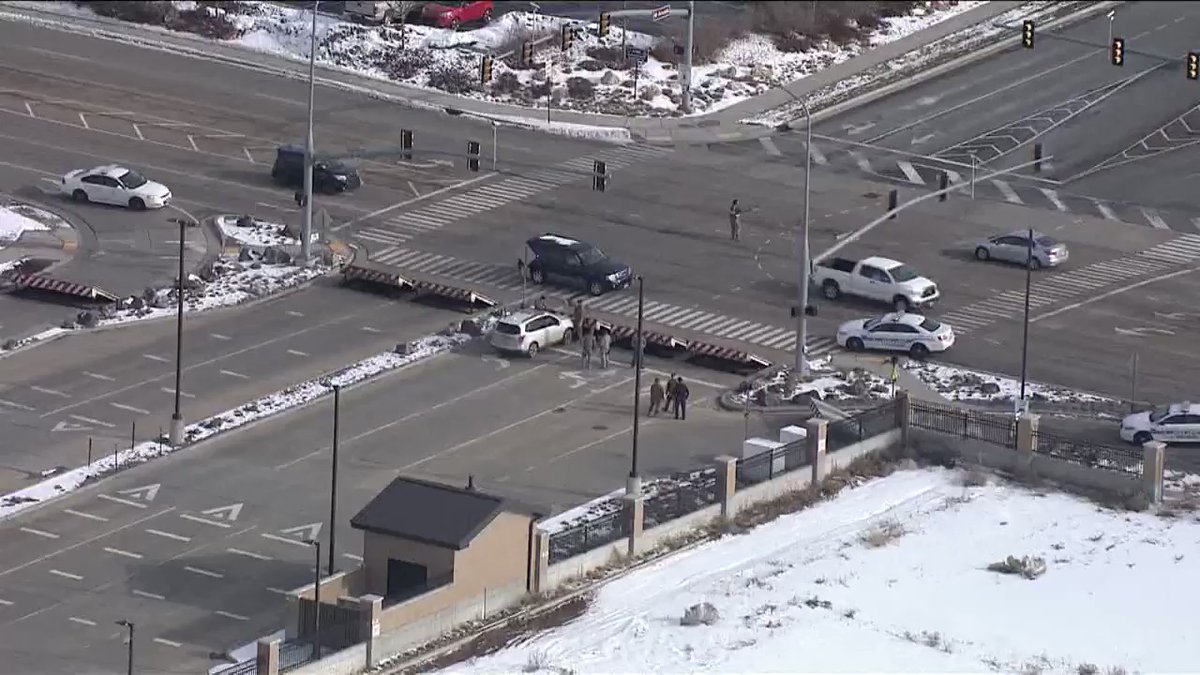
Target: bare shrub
537	660
793	42
506	83
882	534
609	56
581	88
1030	567
868	21
702	614
836	26
212	25
1087	669
403	64
974	478
452	80
539	89
590	65
782	18
137	12
664	50
892	9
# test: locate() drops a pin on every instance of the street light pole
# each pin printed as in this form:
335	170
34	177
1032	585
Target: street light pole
333	477
495	150
801	365
633	487
973	158
306	245
1025	335
129	658
1112	15
176	431
316	599
686	94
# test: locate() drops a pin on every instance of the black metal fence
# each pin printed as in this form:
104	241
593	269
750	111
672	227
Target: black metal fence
686	496
767	465
859	427
1127	459
589	535
997	429
292	655
341	626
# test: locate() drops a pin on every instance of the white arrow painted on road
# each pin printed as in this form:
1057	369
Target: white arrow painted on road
1143	331
501	364
64	425
146	493
856	129
917	140
296	535
578	379
229	513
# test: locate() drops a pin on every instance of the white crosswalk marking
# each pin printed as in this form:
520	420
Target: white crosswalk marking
1010	195
769	146
861	160
910	172
1105	210
954	177
1052	195
1154	219
1196	222
818	157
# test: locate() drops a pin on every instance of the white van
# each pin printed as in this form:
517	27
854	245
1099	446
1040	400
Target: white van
371	12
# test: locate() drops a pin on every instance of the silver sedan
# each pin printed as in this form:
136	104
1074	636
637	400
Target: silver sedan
1014	247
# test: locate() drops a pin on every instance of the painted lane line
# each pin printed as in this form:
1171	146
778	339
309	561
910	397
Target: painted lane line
203	572
292	312
129	408
98	376
171	391
218	336
154	357
18	406
370	329
50	392
1105	210
910	173
231	615
861	160
352	556
295	352
126	502
41	533
123	553
1052	195
198	519
89	420
277	591
293	542
1154	219
1010	195
169	643
66	575
230	373
6	603
86	622
147	594
89	516
85	542
769	146
249	554
168	535
1111	293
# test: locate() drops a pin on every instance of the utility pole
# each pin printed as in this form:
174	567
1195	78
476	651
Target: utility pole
805	264
316	599
633	487
176	431
686	95
129	658
333	477
1025	333
306	245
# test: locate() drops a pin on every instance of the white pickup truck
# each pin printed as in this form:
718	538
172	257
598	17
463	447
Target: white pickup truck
875	278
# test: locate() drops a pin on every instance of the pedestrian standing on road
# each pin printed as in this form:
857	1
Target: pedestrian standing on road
604	344
735	221
639	351
587	345
577	317
681	398
670	392
656	397
540	303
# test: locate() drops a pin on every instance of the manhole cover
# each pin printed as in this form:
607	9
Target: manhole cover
599	427
871	195
559	410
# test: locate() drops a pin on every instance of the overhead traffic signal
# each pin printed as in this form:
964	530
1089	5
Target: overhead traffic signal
527	53
604	23
485	70
568	36
1027	34
1117	53
1193	65
599	175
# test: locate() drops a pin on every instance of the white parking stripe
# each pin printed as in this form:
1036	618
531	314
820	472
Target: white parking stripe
910	172
1010	195
169	643
1104	210
40	533
89	516
1154	219
1052	195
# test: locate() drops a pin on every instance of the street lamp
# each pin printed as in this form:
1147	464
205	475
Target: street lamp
1025	332
633	486
129	660
316	599
176	430
333	476
495	125
306	245
801	365
1112	15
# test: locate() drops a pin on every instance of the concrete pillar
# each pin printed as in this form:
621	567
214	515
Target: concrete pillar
541	563
267	658
1154	453
1026	441
634	511
291	620
903	413
726	484
817	430
370	610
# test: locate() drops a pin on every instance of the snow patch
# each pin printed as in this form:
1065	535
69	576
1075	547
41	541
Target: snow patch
962	384
250	231
17	219
827	384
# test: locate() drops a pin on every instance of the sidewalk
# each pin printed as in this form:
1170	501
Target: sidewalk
719	126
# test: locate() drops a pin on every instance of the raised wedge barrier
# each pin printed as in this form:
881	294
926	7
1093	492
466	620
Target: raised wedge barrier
622	333
377	277
727	355
42	282
472	299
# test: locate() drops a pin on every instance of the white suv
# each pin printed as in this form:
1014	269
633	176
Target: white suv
527	332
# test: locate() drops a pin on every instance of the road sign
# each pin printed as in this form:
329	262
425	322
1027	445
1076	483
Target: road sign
660	13
636	54
296	535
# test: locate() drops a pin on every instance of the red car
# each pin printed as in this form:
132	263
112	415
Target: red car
452	15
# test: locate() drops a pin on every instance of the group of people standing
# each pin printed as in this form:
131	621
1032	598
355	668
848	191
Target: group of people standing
674	396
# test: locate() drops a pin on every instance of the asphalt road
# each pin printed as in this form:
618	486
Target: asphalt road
99	385
538	430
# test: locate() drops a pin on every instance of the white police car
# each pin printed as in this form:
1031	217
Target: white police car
899	332
1177	423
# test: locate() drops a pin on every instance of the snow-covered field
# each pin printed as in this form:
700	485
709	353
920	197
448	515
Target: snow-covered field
962	384
592	76
250	231
892	576
271	404
17	218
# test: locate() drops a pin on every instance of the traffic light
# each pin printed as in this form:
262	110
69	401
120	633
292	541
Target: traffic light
473	155
568	37
1118	51
600	175
485	70
527	53
604	21
1193	65
1027	34
405	144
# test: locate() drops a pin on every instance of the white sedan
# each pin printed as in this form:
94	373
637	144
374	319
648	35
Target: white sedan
112	184
528	332
1178	423
899	332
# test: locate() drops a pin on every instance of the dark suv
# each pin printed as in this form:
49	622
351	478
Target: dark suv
329	175
577	263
